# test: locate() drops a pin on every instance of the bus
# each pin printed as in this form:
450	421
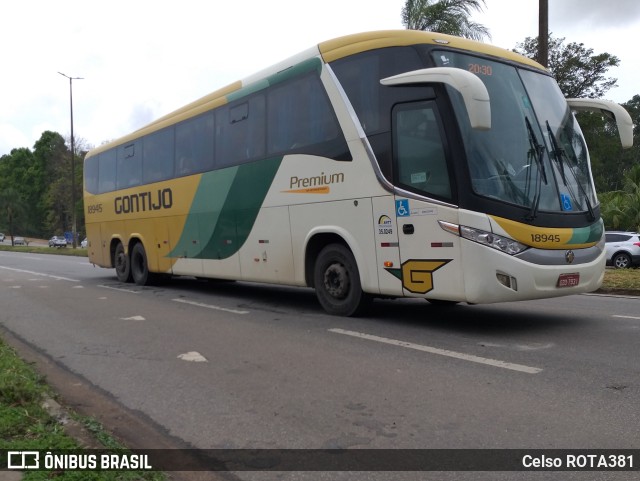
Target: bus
382	164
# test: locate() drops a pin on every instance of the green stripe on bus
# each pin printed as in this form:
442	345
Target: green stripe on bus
225	209
587	235
303	67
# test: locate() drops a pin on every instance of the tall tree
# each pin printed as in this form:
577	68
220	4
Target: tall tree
610	163
12	210
578	71
445	16
15	176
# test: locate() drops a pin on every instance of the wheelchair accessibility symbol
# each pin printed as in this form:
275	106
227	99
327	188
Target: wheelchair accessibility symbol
566	202
402	208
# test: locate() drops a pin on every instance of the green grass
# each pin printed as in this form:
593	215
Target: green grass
26	425
622	279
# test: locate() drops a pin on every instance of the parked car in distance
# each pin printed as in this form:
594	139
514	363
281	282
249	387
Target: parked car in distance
57	241
84	243
1	237
19	241
623	249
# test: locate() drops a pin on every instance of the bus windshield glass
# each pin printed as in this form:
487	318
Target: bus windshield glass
534	155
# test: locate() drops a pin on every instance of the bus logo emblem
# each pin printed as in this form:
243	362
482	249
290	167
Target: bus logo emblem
569	256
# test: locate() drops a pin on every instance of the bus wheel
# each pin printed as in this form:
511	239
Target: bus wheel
122	263
337	282
139	267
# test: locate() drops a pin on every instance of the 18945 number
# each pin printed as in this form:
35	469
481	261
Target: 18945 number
94	209
545	238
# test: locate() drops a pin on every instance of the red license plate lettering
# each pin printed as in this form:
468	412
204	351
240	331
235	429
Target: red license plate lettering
568	280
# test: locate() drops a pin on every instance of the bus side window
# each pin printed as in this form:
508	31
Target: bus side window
300	119
419	153
241	131
107	171
157	156
129	165
194	145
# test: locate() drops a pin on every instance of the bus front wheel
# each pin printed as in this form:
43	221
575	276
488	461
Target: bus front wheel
139	266
123	266
337	282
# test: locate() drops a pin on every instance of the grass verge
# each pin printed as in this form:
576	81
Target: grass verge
26	425
622	279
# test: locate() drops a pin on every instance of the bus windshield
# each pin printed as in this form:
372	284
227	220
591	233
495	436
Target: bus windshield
534	155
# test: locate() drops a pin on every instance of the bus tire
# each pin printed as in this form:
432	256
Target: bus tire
122	264
337	282
139	266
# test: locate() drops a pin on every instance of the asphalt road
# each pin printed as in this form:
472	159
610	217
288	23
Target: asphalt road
235	365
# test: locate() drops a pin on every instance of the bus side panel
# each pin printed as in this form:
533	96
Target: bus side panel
352	220
387	247
94	249
267	253
161	246
431	261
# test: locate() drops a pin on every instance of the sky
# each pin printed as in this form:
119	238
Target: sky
141	59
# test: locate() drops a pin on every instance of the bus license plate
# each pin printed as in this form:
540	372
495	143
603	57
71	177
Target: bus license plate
568	280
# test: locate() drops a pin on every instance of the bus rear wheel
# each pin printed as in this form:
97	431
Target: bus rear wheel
139	266
337	282
122	263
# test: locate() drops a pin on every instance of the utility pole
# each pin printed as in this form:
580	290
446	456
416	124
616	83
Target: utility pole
543	32
73	163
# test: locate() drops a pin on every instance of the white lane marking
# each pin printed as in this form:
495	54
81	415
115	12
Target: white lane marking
192	356
41	274
441	352
133	318
210	306
120	289
627	317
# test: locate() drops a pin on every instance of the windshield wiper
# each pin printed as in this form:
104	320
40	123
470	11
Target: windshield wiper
559	154
536	152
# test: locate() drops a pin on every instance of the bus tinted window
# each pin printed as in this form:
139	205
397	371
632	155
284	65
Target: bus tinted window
107	171
157	158
129	168
301	119
91	174
240	131
360	77
420	155
194	145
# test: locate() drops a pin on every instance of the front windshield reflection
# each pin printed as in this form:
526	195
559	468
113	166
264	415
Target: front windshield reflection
512	161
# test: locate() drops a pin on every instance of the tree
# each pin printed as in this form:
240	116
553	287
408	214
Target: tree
610	163
444	16
578	71
11	209
621	209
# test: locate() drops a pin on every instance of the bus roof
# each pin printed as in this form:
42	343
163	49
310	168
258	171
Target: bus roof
330	50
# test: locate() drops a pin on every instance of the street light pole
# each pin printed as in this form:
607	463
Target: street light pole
73	163
543	32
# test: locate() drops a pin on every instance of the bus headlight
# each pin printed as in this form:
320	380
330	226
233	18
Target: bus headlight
503	244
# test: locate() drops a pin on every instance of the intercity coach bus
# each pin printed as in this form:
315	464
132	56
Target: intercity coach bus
381	164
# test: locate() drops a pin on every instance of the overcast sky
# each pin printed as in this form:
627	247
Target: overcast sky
141	59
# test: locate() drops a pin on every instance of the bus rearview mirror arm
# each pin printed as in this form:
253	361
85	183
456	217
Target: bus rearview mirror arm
623	119
474	93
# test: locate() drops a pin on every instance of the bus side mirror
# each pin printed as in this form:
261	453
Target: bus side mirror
623	119
474	93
